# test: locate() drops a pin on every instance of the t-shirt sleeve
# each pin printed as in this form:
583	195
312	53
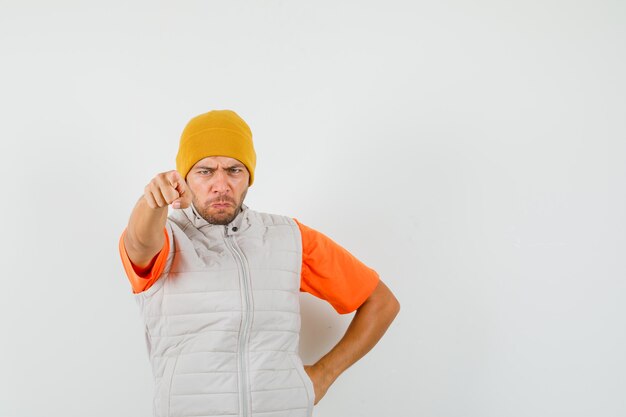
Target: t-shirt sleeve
142	278
332	273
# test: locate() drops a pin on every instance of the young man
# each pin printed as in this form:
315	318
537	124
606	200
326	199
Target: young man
218	286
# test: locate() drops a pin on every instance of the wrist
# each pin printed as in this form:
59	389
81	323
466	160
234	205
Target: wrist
326	373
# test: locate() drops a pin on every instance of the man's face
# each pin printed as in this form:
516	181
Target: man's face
219	185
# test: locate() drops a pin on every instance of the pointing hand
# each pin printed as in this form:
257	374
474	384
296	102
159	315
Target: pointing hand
168	188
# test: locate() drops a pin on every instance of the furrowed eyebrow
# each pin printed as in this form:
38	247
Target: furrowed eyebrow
213	168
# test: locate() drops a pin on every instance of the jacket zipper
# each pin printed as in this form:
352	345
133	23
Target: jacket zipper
245	322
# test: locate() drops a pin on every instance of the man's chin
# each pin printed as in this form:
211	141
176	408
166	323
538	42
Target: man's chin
220	217
220	220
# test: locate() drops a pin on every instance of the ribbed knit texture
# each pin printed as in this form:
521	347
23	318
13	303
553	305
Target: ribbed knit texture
216	133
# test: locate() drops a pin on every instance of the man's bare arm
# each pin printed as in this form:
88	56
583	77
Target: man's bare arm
144	234
366	328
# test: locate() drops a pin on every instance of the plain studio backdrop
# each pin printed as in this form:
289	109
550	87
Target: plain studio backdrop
471	152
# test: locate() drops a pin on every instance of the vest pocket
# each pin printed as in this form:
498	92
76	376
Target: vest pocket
306	381
164	388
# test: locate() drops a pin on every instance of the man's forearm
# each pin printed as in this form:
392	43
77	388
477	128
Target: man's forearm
367	327
144	234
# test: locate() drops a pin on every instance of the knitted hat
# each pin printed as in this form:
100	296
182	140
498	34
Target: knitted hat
216	133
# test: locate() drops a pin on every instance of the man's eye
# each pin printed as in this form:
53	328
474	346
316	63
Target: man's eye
203	172
235	170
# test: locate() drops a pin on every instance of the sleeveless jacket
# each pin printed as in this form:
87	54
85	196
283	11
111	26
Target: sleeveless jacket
222	322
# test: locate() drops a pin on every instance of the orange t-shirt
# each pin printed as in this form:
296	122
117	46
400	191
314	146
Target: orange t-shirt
329	271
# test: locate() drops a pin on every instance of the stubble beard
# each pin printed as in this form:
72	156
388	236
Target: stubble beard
218	216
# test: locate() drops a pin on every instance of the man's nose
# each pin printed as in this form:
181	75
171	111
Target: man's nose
220	182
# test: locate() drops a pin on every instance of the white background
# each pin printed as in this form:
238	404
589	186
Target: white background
472	152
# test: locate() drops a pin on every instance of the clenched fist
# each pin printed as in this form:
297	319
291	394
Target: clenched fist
168	188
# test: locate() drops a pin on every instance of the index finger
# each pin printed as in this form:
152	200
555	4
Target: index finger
177	181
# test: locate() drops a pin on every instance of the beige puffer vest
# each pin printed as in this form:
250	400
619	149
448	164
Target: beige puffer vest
223	321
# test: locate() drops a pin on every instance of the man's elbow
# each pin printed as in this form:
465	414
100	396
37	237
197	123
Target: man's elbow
393	305
383	300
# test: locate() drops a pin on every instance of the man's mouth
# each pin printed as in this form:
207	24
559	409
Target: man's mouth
221	205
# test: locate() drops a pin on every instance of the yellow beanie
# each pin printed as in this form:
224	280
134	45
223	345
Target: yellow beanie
216	133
